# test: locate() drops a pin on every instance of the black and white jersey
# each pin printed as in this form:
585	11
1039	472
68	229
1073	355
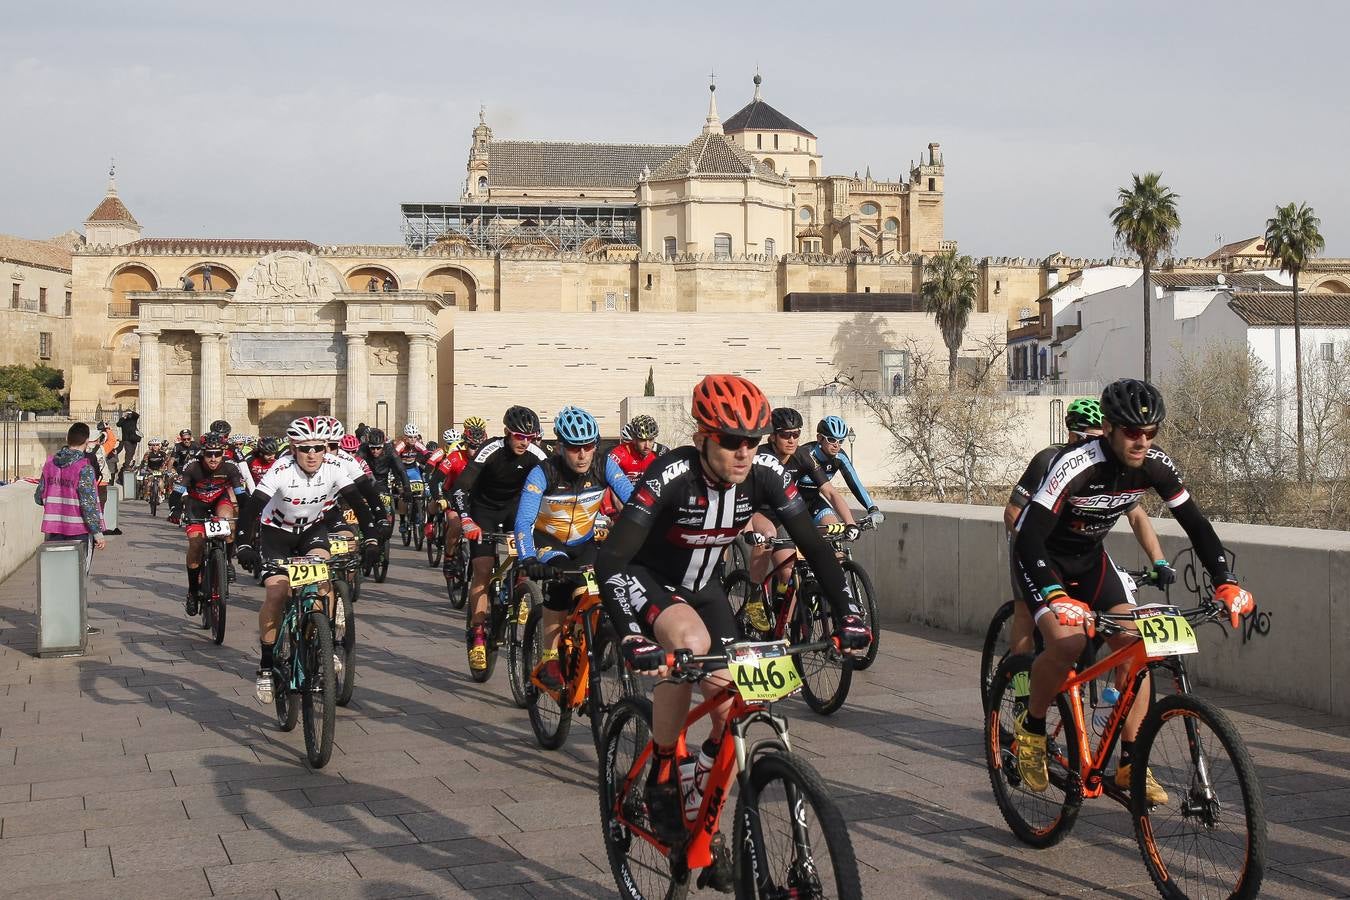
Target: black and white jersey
297	500
494	476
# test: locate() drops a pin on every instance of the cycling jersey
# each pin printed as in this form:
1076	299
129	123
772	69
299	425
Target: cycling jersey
562	504
155	460
410	452
828	466
384	466
257	466
494	476
1033	476
183	454
296	500
445	470
678	523
1085	491
633	463
210	488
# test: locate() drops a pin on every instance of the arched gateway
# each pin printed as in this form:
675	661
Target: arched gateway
291	338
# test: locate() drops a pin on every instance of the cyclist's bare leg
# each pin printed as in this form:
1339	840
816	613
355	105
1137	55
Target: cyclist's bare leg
278	588
680	628
1135	717
1063	646
760	553
478	595
453	530
1020	640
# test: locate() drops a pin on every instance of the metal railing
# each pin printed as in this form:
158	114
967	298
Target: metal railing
1049	387
9	442
123	309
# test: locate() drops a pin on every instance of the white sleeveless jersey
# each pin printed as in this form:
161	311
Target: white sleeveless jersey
298	500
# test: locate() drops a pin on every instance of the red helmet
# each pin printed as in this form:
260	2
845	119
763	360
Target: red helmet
731	404
350	442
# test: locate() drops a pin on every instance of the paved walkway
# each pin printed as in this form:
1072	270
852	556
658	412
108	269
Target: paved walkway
146	768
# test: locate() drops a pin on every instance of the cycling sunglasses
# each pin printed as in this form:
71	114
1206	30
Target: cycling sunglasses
212	454
522	436
1134	432
826	439
580	448
789	435
311	448
735	441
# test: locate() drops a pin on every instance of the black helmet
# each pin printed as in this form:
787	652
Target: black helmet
375	437
212	441
785	418
268	446
185	433
521	420
1130	401
220	426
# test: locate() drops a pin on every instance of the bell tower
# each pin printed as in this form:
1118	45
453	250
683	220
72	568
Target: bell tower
479	185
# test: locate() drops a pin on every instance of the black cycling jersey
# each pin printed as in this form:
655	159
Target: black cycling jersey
800	463
385	465
1033	476
154	460
183	454
829	464
1086	490
678	523
495	476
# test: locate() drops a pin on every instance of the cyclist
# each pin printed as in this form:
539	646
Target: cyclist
658	567
475	433
285	517
485	496
340	447
446	467
828	451
555	522
184	451
1082	421
208	486
384	464
638	447
784	447
263	457
412	453
155	463
1065	573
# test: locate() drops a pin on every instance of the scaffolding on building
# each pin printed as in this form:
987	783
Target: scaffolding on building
490	227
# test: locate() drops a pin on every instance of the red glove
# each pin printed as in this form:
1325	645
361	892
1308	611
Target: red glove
471	529
1238	601
1071	613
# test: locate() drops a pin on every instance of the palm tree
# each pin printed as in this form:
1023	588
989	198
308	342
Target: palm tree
1293	237
1146	224
949	291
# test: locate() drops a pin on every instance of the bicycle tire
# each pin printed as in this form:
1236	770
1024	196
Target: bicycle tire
319	698
457	589
611	681
345	642
287	704
516	671
154	503
1250	807
860	583
496	615
739	587
435	545
382	564
826	674
217	604
994	649
1001	762
641	871
801	783
418	521
550	718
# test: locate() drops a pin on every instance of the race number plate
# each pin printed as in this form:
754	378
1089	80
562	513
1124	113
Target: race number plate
337	548
1165	632
510	545
304	571
217	528
349	516
417	486
763	671
591	584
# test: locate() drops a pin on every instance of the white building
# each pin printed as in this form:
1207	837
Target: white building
1031	348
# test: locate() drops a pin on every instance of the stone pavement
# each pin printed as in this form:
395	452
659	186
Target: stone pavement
146	768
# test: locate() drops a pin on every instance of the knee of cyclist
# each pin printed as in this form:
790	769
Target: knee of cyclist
694	639
1066	648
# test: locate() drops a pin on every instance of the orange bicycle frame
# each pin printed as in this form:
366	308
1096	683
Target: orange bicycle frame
1136	659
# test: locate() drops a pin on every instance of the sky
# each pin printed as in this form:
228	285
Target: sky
316	120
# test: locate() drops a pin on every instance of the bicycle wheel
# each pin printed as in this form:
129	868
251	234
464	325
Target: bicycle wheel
344	640
382	564
790	838
1039	819
418	523
213	610
435	544
826	674
860	584
154	500
996	640
496	620
287	704
527	597
318	699
458	587
641	869
549	717
610	679
1209	838
740	589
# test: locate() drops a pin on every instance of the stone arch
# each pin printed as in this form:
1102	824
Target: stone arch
452	282
127	399
811	169
223	278
1331	284
127	278
768	162
358	279
115	337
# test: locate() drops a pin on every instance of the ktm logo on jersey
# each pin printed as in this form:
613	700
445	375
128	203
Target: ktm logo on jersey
674	470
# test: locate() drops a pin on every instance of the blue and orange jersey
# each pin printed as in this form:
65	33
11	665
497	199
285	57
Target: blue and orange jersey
563	504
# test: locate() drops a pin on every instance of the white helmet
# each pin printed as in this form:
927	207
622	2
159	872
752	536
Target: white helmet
308	428
335	429
410	430
451	436
626	433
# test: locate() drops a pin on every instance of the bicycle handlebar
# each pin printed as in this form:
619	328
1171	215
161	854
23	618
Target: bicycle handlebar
1114	623
680	661
833	534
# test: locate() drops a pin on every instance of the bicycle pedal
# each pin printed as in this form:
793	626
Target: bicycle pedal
721	875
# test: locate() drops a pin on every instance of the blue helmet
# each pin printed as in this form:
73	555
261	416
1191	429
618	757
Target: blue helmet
832	427
574	425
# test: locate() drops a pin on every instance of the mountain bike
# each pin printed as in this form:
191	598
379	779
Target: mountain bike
379	570
434	532
802	614
417	511
154	492
215	591
457	575
511	596
789	838
344	565
304	679
1209	837
593	674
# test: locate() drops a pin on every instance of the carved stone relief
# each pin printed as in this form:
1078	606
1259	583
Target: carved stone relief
309	353
178	350
386	351
289	276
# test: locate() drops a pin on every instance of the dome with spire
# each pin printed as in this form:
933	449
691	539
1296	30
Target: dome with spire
758	115
111	209
712	153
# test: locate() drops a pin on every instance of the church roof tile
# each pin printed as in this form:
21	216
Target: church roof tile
572	164
112	209
713	154
760	116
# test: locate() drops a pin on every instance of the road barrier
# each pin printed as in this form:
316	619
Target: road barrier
61	598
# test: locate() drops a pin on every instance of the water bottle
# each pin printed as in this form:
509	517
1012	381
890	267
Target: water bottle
1101	713
693	781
